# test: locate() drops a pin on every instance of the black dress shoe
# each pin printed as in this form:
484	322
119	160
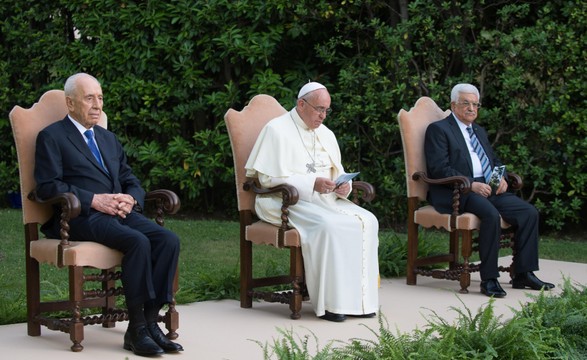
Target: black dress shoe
333	317
491	287
528	279
167	345
364	316
140	342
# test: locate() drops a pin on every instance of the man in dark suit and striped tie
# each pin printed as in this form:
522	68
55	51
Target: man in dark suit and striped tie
458	146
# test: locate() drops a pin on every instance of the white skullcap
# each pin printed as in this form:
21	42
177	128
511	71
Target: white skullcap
309	87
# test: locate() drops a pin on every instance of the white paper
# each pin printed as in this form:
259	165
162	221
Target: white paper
344	178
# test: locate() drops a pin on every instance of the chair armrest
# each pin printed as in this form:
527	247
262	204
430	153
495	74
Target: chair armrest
289	196
462	183
70	208
68	202
362	190
166	199
289	193
166	202
515	181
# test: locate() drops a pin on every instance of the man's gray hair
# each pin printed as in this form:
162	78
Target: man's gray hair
463	88
71	83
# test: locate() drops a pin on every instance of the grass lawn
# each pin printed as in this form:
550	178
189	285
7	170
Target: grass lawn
209	261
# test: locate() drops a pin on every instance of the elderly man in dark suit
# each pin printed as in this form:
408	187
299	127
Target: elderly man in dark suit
74	155
458	146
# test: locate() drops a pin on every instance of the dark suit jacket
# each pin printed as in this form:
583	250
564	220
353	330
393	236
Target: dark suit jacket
64	163
447	155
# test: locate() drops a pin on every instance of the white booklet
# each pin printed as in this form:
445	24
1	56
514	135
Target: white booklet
344	178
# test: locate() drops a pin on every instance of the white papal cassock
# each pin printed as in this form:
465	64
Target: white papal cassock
339	239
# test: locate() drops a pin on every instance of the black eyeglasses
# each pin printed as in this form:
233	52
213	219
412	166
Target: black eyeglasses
319	109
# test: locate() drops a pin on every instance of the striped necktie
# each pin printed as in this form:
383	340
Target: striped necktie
485	165
93	147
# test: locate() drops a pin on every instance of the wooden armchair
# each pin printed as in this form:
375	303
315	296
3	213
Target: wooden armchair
243	129
461	227
78	256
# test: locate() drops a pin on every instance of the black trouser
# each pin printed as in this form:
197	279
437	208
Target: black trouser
515	211
150	253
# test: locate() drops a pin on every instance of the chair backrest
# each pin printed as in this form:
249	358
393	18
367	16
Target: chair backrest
413	125
243	129
26	124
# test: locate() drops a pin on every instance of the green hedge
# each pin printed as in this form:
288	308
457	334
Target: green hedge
171	69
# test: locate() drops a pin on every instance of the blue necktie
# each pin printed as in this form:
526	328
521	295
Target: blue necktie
485	165
93	147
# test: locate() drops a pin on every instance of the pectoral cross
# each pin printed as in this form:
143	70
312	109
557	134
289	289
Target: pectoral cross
311	167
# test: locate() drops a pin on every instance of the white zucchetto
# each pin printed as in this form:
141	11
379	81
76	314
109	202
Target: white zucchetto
309	87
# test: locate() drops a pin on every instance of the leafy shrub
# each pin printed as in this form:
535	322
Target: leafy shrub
551	327
567	313
290	346
393	250
170	70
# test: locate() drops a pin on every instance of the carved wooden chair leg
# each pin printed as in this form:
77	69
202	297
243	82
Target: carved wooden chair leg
108	284
246	286
76	327
467	249
33	296
454	250
171	320
412	246
296	268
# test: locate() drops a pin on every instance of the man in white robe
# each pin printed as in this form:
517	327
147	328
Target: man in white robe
339	239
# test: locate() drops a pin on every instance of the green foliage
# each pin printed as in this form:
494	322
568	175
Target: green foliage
11	306
213	286
485	336
170	70
293	347
551	327
9	183
392	255
190	167
393	250
566	313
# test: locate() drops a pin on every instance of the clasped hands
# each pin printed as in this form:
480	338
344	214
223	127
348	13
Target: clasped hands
113	204
485	190
325	186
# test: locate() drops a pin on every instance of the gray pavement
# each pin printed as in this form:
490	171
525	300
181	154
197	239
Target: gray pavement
222	330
